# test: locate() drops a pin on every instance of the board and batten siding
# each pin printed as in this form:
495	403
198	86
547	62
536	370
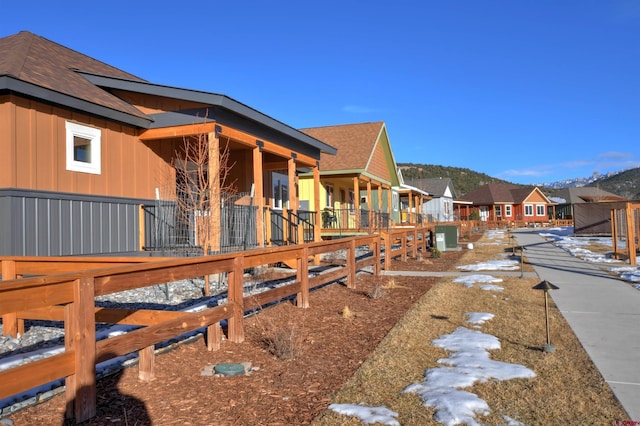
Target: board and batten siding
33	143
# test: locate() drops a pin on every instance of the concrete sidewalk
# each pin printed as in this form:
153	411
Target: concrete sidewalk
603	311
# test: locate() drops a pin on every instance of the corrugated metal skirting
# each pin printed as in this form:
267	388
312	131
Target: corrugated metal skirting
47	225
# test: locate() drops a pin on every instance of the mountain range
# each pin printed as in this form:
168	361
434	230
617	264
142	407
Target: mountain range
625	183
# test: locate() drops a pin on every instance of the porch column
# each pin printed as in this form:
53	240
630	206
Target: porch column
316	201
258	194
369	204
356	201
213	239
293	185
380	198
389	205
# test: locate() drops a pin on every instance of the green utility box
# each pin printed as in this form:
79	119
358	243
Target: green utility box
450	233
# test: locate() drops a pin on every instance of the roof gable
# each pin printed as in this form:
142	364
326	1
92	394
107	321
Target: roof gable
362	148
437	187
505	193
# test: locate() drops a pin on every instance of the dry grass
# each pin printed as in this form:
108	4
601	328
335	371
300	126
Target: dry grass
567	389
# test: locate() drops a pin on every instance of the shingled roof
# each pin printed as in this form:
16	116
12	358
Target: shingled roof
586	194
41	63
434	186
355	143
499	193
33	66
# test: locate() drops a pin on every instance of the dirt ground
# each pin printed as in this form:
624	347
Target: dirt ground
328	342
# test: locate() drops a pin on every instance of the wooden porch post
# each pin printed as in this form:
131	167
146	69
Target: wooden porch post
293	184
316	201
356	201
213	239
258	193
369	203
389	206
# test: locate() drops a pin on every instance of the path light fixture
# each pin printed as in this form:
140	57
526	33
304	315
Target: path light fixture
546	286
521	262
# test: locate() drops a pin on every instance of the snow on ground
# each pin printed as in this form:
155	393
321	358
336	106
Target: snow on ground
443	387
492	265
563	237
470	280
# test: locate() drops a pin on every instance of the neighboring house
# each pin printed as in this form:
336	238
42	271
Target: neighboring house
510	203
88	150
589	208
357	183
567	198
411	201
440	208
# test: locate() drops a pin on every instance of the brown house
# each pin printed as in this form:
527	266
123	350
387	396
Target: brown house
89	156
510	203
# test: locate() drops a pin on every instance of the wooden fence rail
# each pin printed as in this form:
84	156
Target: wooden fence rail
64	289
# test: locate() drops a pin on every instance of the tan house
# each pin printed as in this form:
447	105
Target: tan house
90	154
360	186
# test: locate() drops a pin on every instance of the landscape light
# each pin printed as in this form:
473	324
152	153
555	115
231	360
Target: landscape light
546	286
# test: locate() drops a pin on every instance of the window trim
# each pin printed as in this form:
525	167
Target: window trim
528	210
507	210
94	136
540	210
279	202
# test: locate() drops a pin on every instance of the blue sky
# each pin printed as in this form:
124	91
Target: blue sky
526	91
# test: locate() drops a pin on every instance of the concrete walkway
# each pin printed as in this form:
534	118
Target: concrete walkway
603	311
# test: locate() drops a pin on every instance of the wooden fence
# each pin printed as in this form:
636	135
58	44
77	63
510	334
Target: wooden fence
64	289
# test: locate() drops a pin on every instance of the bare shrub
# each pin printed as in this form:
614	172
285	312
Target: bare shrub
284	342
280	336
378	290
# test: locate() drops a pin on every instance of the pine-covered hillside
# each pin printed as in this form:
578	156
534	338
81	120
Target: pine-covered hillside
626	184
464	180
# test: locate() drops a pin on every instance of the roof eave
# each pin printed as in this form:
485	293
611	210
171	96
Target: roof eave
208	98
12	84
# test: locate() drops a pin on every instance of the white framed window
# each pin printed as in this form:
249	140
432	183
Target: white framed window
280	189
528	209
507	210
83	148
329	196
352	201
498	211
540	210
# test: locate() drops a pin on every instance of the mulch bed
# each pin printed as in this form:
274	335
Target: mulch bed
330	345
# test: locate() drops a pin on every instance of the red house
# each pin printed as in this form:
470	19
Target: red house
510	203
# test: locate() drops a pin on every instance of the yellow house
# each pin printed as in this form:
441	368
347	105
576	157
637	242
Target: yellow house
357	184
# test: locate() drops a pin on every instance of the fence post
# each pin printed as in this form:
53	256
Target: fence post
302	276
376	255
351	264
214	337
146	363
235	290
403	243
10	323
80	337
384	236
414	246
